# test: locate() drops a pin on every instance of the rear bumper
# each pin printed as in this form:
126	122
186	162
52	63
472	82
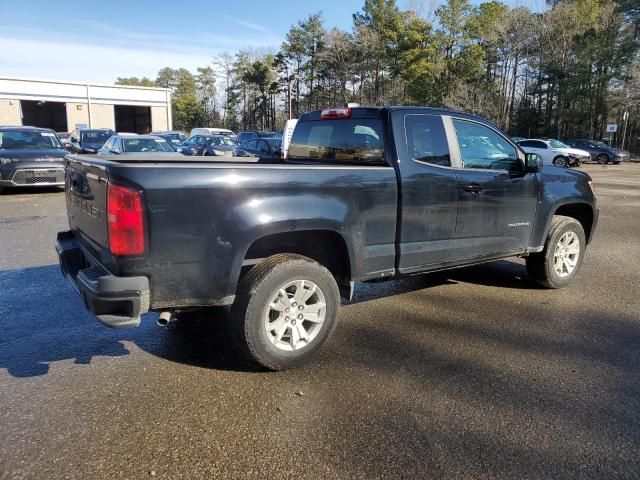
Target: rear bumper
116	301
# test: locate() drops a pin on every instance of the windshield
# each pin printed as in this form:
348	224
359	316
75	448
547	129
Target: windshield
95	136
557	144
146	145
28	140
221	141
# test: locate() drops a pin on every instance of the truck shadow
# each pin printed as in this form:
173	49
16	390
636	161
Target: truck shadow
44	321
502	274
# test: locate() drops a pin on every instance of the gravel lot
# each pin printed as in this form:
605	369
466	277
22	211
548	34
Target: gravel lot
469	374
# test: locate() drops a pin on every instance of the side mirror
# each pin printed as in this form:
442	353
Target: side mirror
532	162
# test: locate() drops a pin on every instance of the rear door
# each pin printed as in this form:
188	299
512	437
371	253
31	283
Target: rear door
251	147
496	199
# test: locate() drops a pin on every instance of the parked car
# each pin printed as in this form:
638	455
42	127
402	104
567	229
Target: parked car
213	131
173	137
246	136
517	139
88	140
137	144
266	148
30	157
218	145
601	152
364	194
210	145
554	152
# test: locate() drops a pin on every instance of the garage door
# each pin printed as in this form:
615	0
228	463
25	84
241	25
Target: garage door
44	114
133	119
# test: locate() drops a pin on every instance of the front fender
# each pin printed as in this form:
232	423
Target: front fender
560	187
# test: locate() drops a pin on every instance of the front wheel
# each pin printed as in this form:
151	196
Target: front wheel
603	158
561	162
559	262
285	310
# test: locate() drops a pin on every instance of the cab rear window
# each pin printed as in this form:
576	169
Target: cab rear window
348	141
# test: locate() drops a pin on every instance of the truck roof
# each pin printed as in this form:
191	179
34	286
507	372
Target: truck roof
374	111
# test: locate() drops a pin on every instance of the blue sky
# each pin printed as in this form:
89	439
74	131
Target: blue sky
98	41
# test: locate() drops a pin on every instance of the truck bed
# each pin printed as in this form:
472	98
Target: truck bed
202	217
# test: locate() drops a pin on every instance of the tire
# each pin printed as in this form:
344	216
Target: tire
561	161
260	303
542	266
603	158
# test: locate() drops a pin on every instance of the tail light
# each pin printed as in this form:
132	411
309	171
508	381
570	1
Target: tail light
336	113
125	217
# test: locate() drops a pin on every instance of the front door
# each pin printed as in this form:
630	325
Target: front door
496	199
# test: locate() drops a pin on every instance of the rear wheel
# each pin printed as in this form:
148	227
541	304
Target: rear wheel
603	158
285	310
559	262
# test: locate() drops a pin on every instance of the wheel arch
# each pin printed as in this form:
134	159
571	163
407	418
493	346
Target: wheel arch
582	212
327	247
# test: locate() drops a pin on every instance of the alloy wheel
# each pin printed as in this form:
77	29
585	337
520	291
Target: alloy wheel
295	315
566	254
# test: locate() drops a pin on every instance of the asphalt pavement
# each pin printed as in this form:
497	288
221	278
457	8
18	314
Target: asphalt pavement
475	373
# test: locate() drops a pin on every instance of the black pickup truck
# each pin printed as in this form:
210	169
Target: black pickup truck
364	194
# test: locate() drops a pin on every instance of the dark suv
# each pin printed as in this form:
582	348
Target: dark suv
89	140
30	156
600	152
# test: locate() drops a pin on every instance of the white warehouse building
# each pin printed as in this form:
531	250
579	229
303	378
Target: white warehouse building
64	106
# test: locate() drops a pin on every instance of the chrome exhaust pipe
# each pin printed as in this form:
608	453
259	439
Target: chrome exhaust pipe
164	318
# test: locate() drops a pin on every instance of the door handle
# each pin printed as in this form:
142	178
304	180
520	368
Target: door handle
472	188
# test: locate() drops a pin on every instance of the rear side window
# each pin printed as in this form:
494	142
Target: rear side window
426	139
348	141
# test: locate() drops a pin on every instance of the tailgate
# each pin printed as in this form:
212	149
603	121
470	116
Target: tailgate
86	195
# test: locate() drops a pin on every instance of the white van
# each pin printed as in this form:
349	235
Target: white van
212	131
